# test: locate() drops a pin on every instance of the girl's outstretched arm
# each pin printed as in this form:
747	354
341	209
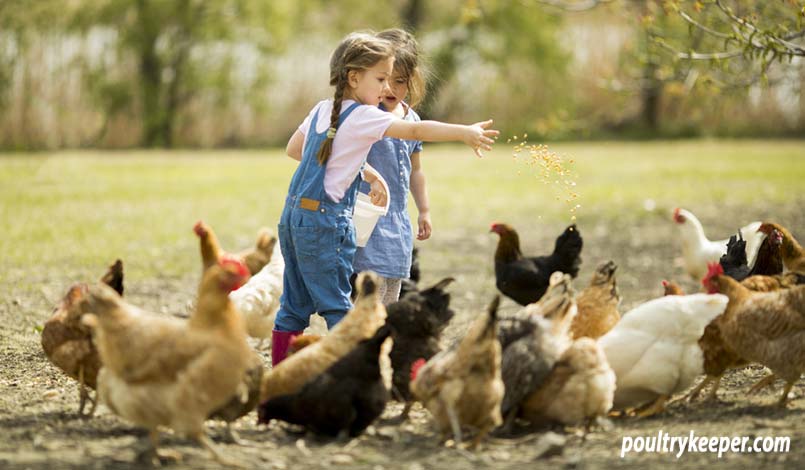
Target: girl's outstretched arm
420	194
478	136
295	144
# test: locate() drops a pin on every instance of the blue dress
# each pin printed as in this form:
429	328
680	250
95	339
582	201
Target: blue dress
388	251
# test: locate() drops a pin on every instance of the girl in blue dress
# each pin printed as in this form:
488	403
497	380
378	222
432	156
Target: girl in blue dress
388	251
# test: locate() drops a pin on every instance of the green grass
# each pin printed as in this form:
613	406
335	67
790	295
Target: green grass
70	213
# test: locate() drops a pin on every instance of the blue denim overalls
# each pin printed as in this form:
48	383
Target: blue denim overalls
317	240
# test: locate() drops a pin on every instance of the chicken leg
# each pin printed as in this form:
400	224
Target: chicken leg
454	423
83	396
694	394
762	383
784	399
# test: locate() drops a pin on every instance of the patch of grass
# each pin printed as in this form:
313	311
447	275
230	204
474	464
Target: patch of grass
74	212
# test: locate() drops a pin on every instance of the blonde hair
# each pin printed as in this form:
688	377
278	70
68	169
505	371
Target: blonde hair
407	62
357	51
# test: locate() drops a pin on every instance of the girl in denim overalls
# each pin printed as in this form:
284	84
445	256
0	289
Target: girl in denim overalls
317	238
388	251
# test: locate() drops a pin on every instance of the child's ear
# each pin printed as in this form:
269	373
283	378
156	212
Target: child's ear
352	78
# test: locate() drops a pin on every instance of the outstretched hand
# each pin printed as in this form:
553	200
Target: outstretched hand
480	137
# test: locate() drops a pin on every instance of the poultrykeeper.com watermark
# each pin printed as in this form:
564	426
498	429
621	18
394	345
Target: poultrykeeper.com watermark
663	443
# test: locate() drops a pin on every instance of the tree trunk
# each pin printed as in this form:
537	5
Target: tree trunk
150	69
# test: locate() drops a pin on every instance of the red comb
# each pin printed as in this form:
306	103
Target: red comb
664	283
713	270
229	260
415	368
200	229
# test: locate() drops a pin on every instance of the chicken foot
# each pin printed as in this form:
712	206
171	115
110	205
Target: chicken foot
767	381
657	406
694	394
205	442
231	437
153	455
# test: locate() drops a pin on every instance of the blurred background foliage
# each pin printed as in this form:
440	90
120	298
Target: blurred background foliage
243	73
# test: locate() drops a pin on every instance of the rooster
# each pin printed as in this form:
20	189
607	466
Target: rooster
461	386
524	279
169	372
697	250
597	304
347	397
67	342
763	327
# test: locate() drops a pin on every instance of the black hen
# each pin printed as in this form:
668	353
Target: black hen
525	280
410	284
734	261
418	321
347	396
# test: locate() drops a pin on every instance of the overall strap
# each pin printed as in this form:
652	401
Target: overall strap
344	115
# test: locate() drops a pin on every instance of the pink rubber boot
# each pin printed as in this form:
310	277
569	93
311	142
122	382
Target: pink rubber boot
280	340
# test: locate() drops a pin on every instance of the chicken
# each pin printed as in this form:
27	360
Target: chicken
347	397
697	250
773	283
597	304
461	386
525	280
302	341
259	299
672	288
734	260
764	327
792	252
255	258
68	344
367	315
417	320
532	340
654	349
579	389
160	371
769	260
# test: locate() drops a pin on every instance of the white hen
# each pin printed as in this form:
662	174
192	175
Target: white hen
654	349
259	300
697	250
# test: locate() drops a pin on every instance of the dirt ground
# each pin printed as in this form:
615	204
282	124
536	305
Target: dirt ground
39	427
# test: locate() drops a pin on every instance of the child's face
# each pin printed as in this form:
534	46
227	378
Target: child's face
398	90
370	85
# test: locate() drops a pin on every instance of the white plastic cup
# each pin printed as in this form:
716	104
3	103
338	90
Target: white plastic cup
367	214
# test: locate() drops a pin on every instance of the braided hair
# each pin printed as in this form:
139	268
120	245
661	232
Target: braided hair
357	51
